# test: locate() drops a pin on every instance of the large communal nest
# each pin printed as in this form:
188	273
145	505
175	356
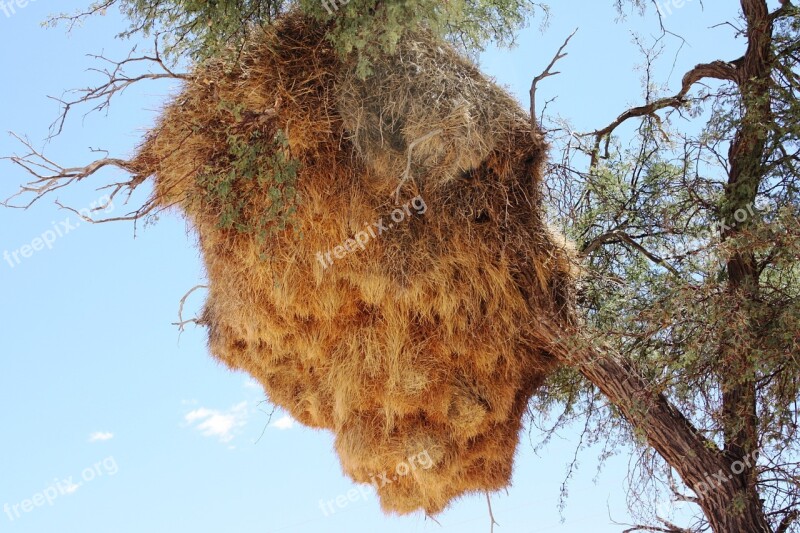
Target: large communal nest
426	339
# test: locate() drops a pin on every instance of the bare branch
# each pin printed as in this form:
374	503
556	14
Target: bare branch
116	81
546	73
491	514
49	176
788	519
719	70
181	323
407	172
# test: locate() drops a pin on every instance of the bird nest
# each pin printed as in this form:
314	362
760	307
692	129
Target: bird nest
376	250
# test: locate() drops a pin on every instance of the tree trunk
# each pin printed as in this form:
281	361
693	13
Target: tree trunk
745	158
701	465
709	472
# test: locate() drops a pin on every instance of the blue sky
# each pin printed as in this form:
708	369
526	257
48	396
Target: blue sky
114	423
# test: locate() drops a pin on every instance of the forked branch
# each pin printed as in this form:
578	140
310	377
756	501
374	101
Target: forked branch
117	79
719	70
546	73
49	176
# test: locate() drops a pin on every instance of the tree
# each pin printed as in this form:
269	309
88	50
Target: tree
709	321
690	335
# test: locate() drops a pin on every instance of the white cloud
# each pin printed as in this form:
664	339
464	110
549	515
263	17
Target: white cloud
250	383
100	436
70	487
221	424
198	414
284	422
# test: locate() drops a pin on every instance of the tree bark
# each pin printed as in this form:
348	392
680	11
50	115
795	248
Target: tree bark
702	466
745	158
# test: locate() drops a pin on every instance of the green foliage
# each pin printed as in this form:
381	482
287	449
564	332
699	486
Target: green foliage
369	28
197	29
254	167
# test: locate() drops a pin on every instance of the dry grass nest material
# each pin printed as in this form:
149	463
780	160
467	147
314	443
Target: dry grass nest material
431	338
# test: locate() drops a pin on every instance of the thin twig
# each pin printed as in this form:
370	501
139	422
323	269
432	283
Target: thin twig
181	322
491	514
407	173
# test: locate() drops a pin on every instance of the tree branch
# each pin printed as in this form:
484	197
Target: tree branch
117	80
719	70
78	17
49	176
181	323
619	235
546	73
